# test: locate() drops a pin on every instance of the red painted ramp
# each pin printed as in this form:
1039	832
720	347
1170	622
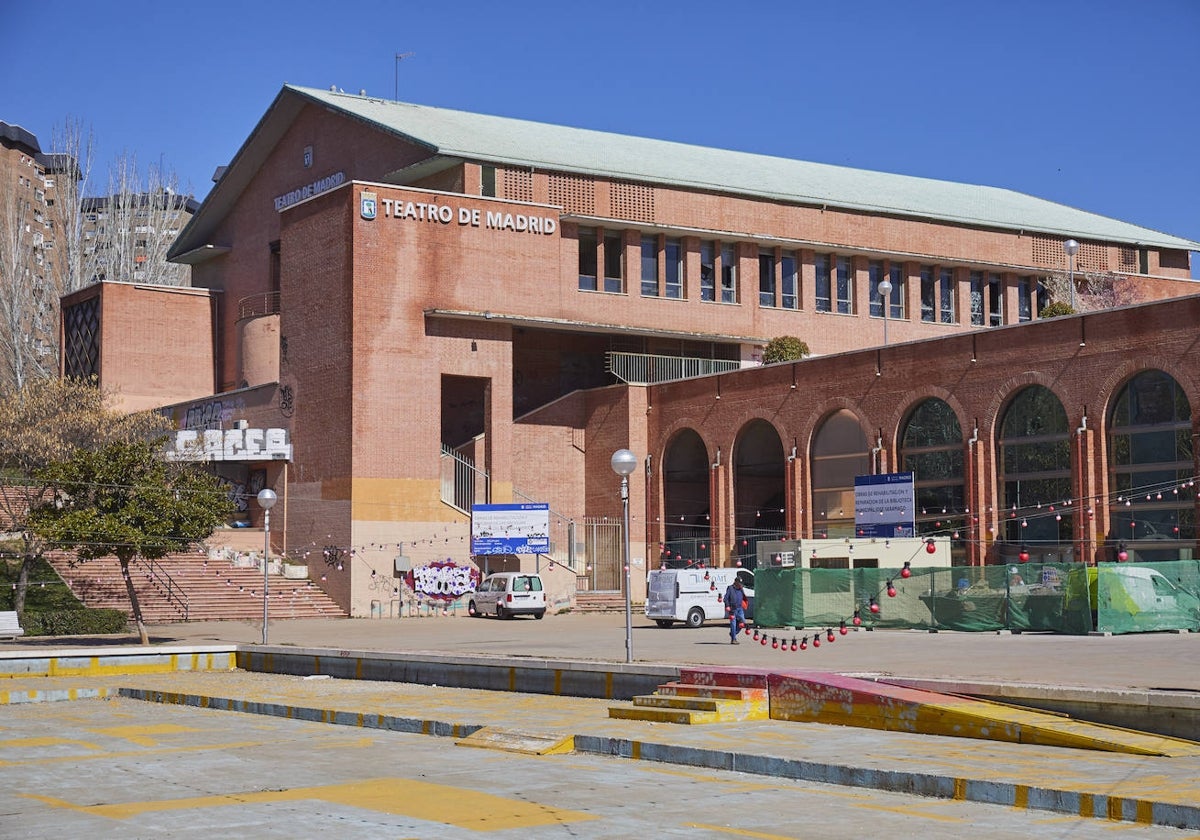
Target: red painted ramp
824	697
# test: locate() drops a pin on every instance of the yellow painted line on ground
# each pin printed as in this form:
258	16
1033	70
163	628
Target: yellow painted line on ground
46	741
456	806
235	745
910	811
144	735
740	832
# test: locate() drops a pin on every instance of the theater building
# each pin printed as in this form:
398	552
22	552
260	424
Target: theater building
444	308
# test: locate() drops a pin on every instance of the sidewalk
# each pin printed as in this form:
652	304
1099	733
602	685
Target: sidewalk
1149	790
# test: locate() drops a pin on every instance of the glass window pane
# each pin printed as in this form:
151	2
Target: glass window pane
708	271
587	259
614	276
674	268
789	295
766	279
650	266
824	288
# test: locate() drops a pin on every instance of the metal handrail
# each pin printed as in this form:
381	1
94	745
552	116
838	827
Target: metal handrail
254	306
174	591
647	369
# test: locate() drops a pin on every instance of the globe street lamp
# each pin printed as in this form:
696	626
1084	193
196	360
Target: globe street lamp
1071	247
266	500
625	462
885	292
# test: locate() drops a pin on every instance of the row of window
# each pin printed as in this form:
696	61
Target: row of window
663	274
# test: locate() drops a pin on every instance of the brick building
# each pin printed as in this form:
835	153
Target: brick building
445	308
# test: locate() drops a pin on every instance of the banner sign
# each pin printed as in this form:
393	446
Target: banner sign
510	529
885	505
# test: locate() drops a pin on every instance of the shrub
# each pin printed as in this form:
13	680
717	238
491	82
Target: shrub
74	622
784	348
1056	309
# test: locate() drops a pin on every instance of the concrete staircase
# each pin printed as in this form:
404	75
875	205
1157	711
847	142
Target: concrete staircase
192	586
587	601
695	703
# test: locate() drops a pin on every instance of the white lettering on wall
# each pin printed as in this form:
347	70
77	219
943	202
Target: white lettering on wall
230	445
286	200
444	214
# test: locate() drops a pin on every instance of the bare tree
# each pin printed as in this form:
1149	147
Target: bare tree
1094	290
28	306
127	233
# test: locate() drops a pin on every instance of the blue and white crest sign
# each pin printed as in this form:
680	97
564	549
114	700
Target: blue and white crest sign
367	205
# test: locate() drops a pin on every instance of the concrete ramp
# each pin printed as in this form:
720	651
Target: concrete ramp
848	701
527	743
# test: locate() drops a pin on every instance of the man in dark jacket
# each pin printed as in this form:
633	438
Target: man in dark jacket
735	608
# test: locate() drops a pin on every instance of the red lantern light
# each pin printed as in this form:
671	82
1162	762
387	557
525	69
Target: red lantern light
817	641
874	605
829	636
857	619
774	643
906	572
763	640
793	645
756	634
804	643
1024	555
930	547
891	590
843	629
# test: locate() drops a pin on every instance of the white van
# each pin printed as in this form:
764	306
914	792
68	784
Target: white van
505	594
693	596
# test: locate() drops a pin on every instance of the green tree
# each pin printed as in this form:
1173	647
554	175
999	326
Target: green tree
1056	308
124	499
784	348
42	422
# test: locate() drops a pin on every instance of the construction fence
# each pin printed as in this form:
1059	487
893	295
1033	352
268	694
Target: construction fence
1070	598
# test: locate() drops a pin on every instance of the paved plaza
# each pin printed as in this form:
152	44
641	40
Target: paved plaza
395	766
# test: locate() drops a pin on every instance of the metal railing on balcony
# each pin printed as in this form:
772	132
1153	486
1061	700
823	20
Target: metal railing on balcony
646	369
266	303
463	483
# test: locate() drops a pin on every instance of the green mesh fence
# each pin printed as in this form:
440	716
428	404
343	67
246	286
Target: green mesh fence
1053	597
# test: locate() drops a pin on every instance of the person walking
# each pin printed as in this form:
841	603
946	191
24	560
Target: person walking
735	608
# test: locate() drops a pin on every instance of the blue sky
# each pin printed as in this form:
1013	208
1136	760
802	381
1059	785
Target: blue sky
1091	103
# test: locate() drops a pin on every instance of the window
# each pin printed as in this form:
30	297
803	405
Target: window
614	277
824	291
1151	448
729	274
937	295
1025	299
896	275
1034	454
845	286
766	278
995	300
875	275
587	259
788	282
977	298
946	295
708	271
650	266
673	257
487	184
931	448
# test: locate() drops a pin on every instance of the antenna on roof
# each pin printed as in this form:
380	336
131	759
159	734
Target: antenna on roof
399	57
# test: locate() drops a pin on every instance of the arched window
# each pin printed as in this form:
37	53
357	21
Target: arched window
685	478
758	485
839	453
931	448
1150	456
1035	470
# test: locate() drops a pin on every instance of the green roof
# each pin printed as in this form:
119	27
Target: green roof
504	141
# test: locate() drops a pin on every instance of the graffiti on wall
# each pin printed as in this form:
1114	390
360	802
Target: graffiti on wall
443	580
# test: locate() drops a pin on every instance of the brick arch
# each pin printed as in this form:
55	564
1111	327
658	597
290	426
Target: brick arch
1120	376
1009	388
813	419
904	410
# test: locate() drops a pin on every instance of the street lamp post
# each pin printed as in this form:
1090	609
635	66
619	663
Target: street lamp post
625	462
1071	247
266	500
885	292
